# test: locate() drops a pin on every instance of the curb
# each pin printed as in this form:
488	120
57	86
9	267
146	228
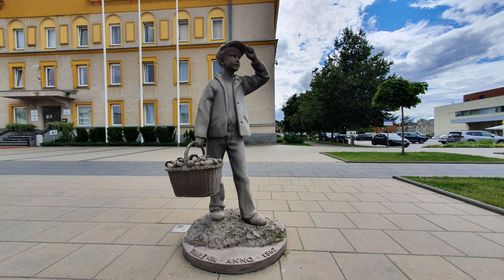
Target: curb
411	162
471	201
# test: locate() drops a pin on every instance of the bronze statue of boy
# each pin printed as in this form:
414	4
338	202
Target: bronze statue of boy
222	122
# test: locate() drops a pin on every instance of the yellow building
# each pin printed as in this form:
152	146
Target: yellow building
51	65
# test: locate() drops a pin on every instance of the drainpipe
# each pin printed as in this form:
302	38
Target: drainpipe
230	19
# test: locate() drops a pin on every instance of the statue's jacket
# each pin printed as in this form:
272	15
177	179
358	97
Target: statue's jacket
211	120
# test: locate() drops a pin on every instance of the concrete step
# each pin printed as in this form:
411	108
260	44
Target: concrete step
14	143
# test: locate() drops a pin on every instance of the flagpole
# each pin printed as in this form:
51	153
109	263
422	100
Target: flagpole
105	88
140	67
178	69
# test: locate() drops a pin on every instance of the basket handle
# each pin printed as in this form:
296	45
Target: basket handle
186	152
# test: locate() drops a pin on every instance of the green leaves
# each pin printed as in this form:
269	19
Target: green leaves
397	92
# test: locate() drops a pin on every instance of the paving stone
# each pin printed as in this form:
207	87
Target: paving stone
440	209
25	230
404	208
150	215
5	225
82	214
472	244
428	268
270	273
432	197
257	195
272	205
480	268
495	237
294	188
411	222
309	265
370	197
337	206
115	215
9	249
282	196
341	197
423	243
321	188
62	232
179	269
103	233
293	240
344	189
130	202
304	206
93	201
145	234
370	207
86	262
181	203
270	188
312	196
368	267
370	221
48	213
331	220
183	216
324	240
172	239
35	259
138	263
453	223
494	223
294	219
470	209
372	241
400	197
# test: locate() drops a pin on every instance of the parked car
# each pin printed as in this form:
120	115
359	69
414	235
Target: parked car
364	137
442	138
415	137
473	136
393	140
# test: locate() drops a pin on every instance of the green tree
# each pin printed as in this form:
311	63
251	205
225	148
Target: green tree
398	93
345	86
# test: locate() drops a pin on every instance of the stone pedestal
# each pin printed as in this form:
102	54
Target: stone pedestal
232	246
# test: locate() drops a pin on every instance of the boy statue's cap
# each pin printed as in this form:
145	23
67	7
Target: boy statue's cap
235	44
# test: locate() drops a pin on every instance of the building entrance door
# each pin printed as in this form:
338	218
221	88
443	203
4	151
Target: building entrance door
51	114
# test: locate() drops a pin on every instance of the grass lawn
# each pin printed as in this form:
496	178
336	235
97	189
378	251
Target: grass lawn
410	157
487	190
467	145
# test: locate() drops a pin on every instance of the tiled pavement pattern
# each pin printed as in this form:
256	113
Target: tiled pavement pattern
116	227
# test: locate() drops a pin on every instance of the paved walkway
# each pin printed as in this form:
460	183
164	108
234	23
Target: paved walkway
119	227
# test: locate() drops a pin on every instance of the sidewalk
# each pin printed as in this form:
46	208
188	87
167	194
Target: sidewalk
117	227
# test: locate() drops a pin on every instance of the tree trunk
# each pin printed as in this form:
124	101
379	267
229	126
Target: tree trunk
402	130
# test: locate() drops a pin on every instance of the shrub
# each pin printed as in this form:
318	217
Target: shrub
165	133
148	134
65	129
16	127
115	134
82	135
292	138
131	134
97	134
189	136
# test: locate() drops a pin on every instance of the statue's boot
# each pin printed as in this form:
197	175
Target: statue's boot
217	215
256	220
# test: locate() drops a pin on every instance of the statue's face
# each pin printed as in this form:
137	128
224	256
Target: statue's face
231	59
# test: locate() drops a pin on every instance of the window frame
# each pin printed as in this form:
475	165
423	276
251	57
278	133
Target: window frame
153	82
46	69
14	118
180	72
145	24
187	101
111	76
16	75
186	22
111	26
77	107
152	103
213	38
79	36
111	105
80	66
16	36
47	37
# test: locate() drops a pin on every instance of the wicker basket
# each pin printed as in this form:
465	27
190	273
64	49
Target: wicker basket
195	181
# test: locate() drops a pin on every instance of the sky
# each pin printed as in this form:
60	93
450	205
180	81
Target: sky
456	46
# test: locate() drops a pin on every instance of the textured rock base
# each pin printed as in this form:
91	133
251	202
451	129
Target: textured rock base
232	246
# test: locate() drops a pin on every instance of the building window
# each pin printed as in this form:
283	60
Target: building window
116	114
184	30
149	114
148	72
184	114
50	38
84	115
115	34
115	74
184	71
83	36
82	76
50	81
216	68
20	115
217	29
19	39
149	33
18	77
